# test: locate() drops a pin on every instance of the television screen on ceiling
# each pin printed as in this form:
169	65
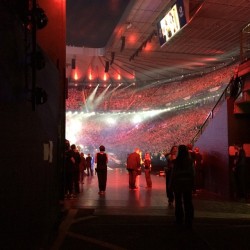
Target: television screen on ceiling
172	22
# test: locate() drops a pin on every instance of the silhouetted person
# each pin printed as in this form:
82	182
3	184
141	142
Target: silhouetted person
170	157
72	161
75	159
89	165
240	172
68	172
147	170
133	164
101	160
182	183
82	167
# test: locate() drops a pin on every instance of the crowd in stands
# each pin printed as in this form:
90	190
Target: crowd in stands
156	96
156	135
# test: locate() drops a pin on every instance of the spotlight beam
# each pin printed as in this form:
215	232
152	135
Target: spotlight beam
89	101
99	99
113	90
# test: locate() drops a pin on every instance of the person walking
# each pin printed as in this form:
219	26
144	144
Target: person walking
147	170
89	165
182	182
101	161
133	164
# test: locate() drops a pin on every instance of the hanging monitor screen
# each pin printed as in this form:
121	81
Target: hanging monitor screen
172	22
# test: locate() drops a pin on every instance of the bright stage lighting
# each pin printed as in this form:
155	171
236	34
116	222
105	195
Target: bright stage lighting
111	121
88	114
73	127
69	113
137	119
153	113
76	125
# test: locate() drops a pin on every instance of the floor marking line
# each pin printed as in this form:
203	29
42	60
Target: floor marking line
95	241
63	229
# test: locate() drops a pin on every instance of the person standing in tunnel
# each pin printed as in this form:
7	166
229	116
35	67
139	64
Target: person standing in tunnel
101	161
182	182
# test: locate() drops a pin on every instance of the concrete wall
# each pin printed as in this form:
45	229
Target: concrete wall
238	133
224	130
213	144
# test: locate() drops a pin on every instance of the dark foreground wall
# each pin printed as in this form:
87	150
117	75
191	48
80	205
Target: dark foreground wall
213	144
30	140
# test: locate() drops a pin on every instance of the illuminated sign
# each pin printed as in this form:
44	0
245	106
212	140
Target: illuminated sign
172	22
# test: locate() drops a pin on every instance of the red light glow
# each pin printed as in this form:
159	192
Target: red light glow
210	59
75	76
132	39
105	77
148	47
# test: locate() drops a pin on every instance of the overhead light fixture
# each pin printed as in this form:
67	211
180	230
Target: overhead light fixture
73	63
143	45
123	43
107	66
112	58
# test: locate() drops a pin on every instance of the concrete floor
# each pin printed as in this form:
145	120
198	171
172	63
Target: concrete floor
141	219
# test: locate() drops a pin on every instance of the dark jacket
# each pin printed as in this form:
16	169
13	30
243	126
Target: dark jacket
147	163
133	161
182	175
70	165
101	161
88	161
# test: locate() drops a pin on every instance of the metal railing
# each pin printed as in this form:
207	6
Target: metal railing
211	115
